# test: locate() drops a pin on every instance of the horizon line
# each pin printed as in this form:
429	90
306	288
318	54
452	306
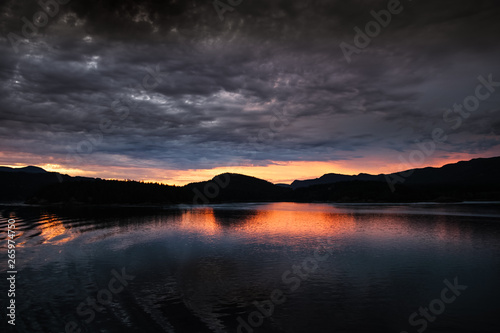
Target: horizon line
146	181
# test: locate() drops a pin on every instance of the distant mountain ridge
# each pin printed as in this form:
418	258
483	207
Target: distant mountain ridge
19	184
331	178
232	187
27	169
477	179
475	170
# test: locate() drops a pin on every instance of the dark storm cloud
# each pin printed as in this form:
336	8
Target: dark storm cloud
222	81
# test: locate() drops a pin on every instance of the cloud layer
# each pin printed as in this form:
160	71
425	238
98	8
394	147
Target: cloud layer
268	83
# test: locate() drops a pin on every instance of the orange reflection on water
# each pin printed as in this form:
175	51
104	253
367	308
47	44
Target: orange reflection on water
287	222
452	231
303	224
53	230
271	223
200	220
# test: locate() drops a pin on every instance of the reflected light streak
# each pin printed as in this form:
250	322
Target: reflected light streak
53	230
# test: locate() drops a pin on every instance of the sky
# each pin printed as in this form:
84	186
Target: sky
180	91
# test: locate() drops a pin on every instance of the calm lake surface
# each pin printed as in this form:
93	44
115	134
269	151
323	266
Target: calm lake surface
308	267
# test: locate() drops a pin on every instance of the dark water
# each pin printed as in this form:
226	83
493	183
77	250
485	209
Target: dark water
346	268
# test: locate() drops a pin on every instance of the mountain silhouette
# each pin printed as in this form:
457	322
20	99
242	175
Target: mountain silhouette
28	169
232	187
20	184
331	178
479	170
477	179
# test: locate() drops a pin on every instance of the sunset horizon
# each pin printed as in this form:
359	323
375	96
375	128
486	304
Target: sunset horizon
302	170
250	166
176	101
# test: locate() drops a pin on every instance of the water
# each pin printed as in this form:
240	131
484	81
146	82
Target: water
365	268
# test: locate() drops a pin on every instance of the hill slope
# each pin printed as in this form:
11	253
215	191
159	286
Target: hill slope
478	179
232	187
475	171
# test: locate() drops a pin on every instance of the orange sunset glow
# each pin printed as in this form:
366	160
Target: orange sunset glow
275	172
250	166
276	222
